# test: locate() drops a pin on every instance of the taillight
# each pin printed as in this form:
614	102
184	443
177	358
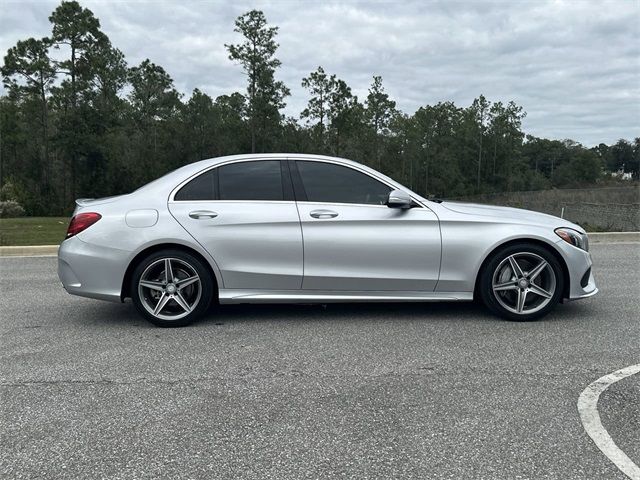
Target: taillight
81	222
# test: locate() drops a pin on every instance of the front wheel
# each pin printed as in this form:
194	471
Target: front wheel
171	288
522	282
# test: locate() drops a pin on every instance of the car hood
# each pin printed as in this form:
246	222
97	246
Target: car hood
517	215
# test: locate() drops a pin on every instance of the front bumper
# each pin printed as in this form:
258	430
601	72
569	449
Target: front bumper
578	264
91	271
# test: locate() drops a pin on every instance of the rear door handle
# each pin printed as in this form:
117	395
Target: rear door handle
200	214
323	214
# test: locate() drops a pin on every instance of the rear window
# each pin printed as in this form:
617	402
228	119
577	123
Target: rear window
200	188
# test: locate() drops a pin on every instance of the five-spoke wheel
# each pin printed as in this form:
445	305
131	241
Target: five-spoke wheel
521	282
171	288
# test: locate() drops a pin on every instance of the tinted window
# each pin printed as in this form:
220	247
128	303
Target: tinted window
251	181
326	182
200	188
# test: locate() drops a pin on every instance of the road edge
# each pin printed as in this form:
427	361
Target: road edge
613	237
29	251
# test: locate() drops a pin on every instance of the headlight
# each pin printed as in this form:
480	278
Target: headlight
574	237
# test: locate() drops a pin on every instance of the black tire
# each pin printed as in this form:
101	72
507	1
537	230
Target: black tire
179	262
525	254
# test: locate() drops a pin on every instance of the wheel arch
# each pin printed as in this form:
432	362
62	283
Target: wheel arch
135	261
547	246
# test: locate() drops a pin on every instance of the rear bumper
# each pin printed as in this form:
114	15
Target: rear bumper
91	271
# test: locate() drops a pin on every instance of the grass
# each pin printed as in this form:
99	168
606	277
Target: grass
33	230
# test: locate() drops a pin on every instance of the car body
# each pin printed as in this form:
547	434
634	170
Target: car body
308	229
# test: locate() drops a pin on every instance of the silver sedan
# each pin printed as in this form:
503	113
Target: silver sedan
287	228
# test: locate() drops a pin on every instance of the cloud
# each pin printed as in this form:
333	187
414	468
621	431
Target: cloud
573	66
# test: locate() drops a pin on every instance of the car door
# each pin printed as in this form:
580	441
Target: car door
243	213
353	241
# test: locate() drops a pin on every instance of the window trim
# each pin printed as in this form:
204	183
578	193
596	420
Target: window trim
287	188
296	181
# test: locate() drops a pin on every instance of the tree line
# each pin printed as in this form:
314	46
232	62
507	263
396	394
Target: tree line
77	121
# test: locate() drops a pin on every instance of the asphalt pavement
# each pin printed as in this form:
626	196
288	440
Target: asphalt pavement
90	390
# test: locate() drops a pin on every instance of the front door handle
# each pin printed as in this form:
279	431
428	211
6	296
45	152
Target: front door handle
323	214
200	214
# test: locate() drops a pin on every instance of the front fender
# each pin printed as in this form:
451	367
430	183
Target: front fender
467	244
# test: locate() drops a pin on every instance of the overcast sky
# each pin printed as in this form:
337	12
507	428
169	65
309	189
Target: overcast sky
573	65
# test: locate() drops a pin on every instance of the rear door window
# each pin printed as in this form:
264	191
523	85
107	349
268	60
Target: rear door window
259	180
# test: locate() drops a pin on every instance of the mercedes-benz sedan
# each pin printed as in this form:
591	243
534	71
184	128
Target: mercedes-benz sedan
313	229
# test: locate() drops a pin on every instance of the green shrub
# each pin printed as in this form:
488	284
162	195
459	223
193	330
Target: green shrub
10	209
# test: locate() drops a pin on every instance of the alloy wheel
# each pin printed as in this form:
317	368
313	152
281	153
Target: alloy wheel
170	288
524	283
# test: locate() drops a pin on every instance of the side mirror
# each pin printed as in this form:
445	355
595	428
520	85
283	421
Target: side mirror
399	199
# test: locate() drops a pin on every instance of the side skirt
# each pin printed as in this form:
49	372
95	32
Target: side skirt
316	296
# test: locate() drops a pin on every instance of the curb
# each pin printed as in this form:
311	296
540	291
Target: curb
613	237
29	251
52	250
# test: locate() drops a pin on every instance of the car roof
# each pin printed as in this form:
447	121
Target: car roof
262	156
169	181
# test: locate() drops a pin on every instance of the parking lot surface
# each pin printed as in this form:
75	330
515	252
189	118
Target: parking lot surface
90	390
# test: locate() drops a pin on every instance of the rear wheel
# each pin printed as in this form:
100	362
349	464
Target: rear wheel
522	282
171	288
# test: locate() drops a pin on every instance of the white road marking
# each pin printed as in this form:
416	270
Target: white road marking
588	409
